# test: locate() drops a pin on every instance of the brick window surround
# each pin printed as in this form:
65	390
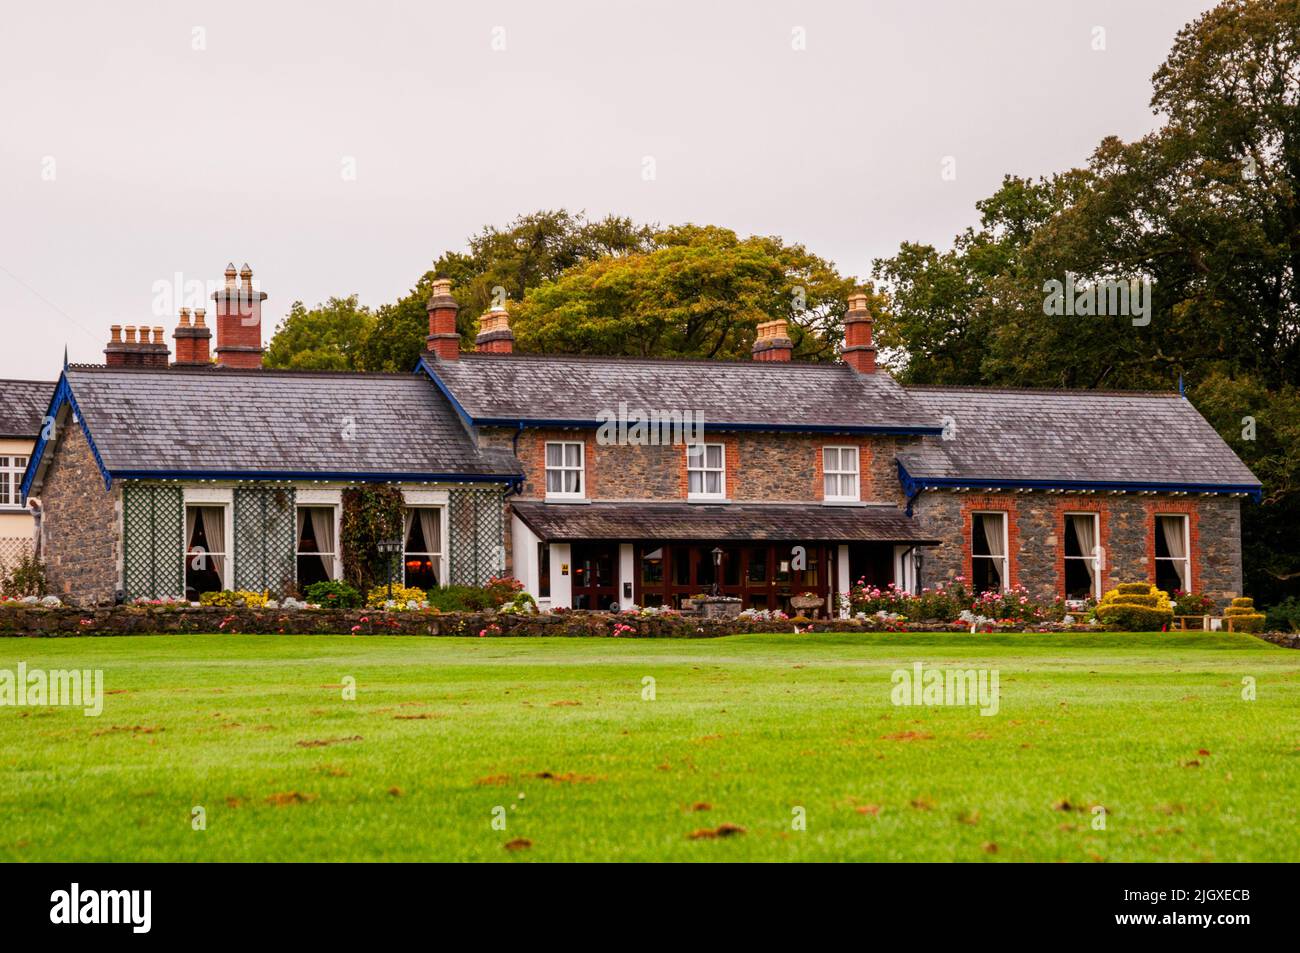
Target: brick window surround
730	467
864	446
1007	504
1102	509
1175	508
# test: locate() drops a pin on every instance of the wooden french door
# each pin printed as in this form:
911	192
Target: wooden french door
761	575
595	575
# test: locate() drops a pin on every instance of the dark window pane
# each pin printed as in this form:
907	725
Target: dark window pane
544	570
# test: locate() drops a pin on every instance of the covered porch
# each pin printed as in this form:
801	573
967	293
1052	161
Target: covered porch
616	555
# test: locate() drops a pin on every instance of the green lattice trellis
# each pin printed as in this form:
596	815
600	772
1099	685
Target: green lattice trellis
266	527
153	531
477	531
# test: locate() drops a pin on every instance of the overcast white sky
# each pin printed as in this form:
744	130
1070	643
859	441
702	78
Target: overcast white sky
128	155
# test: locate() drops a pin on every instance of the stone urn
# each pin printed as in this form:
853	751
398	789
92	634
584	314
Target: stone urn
802	604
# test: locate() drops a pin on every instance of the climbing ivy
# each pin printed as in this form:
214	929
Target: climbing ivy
370	513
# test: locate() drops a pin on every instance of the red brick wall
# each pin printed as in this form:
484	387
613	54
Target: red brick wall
760	466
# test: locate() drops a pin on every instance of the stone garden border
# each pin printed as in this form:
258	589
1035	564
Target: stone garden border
36	622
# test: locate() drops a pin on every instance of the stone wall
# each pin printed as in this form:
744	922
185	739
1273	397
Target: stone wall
24	621
80	525
1126	524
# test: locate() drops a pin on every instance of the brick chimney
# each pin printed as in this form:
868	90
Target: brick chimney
192	340
859	352
125	349
494	334
773	343
443	339
239	320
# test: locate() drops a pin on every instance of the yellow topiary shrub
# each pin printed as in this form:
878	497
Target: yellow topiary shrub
234	598
401	595
1243	615
1135	607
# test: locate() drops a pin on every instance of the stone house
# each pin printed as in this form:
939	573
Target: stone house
609	482
22	410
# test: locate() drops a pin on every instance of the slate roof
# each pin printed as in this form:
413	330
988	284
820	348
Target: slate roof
732	521
507	388
22	407
1072	436
225	421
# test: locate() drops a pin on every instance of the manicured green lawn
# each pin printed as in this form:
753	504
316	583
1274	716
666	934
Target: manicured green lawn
556	737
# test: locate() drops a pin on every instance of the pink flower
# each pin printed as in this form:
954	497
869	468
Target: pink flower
355	629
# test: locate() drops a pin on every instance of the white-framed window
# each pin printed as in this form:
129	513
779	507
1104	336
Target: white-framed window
207	566
1082	556
564	469
1173	553
840	469
422	554
990	564
706	471
11	482
317	550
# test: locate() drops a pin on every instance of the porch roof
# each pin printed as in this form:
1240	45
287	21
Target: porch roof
561	522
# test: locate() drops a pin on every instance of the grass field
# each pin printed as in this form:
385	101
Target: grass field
554	736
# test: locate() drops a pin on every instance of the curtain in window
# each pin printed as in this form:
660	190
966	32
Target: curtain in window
408	517
191	524
302	526
1085	532
991	523
214	526
322	526
1171	528
430	525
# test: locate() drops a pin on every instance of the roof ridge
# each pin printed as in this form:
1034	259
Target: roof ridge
1072	391
247	372
630	359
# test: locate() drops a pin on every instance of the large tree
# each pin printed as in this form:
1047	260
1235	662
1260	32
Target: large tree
1205	208
327	337
699	292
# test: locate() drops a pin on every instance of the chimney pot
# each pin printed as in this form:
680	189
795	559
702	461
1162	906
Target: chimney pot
494	334
859	352
239	323
129	334
198	317
185	317
115	334
773	342
443	339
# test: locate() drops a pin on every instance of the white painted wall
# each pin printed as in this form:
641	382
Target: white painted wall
561	576
626	575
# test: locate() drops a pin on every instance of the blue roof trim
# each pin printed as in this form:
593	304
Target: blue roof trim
913	485
464	415
62	395
522	422
323	475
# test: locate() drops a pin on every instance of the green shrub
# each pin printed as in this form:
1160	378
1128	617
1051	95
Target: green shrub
1285	616
460	599
334	595
27	579
235	598
1135	607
